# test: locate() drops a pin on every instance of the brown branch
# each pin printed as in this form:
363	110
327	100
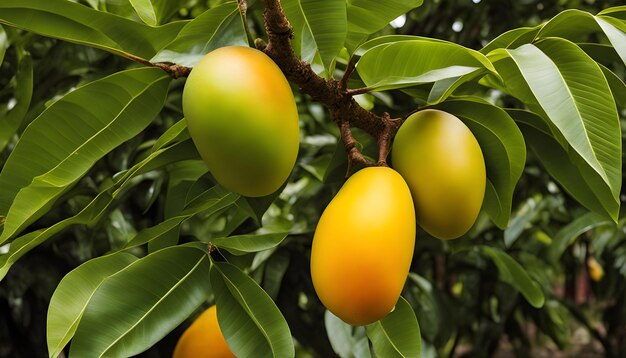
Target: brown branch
332	93
174	70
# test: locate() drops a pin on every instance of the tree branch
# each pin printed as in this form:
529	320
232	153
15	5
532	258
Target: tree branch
333	94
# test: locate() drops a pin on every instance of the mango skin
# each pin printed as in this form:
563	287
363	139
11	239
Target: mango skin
203	339
442	163
243	119
363	246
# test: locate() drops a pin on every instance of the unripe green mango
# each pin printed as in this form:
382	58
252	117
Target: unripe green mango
363	246
243	119
442	163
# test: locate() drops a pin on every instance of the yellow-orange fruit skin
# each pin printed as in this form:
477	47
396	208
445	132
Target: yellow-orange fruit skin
203	339
442	163
243	119
363	246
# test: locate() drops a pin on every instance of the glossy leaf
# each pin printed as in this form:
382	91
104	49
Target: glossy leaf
572	90
576	25
60	146
153	12
74	292
565	165
503	148
244	244
10	124
397	334
77	23
133	309
217	27
566	236
365	17
97	208
248	318
409	63
512	39
514	274
209	202
320	27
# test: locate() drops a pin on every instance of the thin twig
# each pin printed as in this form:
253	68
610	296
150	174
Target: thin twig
174	70
357	91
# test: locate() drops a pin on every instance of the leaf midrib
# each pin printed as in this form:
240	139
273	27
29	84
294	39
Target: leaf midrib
571	97
153	307
250	312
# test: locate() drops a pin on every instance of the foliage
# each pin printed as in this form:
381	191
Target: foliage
105	202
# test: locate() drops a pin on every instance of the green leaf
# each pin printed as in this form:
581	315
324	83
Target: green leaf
572	90
618	88
62	144
4	43
245	244
397	334
133	309
174	134
566	236
217	27
366	17
412	62
565	165
320	27
347	341
576	25
512	39
512	273
74	292
146	11
250	321
95	210
12	122
153	12
181	177
257	206
77	23
209	202
503	148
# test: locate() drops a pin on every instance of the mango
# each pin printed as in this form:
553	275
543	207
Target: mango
243	119
363	246
203	339
442	163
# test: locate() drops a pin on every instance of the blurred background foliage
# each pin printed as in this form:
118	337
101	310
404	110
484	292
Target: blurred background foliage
463	307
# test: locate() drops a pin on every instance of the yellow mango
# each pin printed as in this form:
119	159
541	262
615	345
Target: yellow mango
442	163
363	246
243	119
203	339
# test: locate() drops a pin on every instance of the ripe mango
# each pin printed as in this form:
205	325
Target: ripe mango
203	339
442	163
243	119
363	246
